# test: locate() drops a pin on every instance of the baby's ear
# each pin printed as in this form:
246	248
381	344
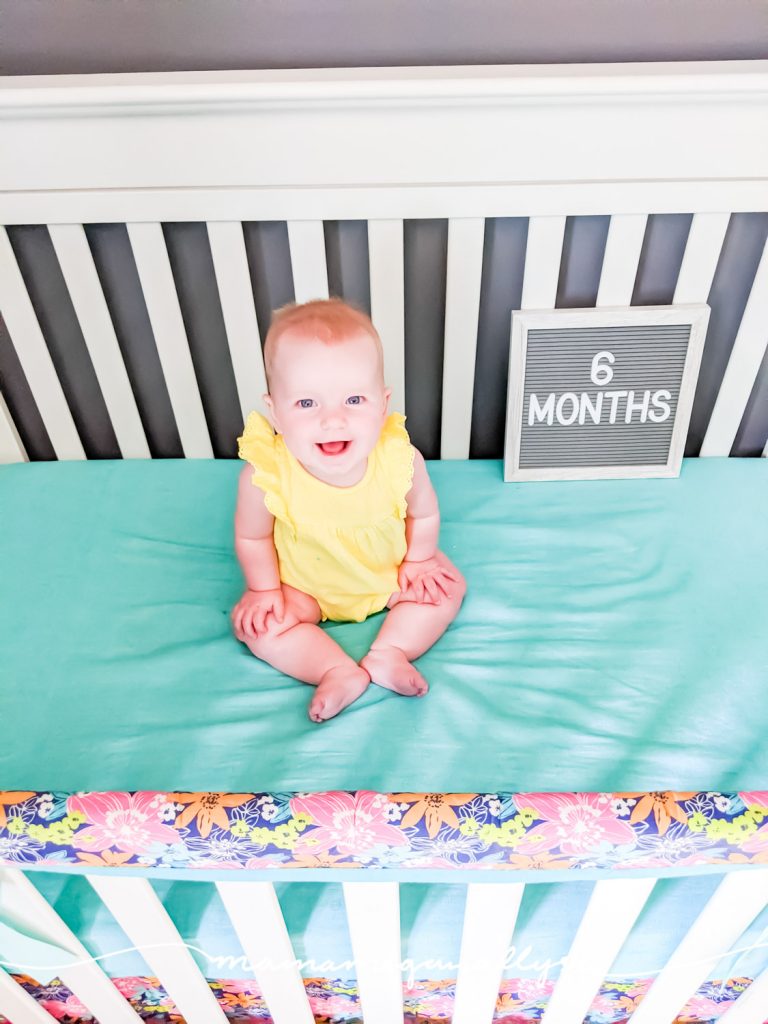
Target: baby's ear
267	399
387	396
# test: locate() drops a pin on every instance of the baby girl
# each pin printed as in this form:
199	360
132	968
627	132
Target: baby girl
336	516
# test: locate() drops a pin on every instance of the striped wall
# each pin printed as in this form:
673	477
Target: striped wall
143	340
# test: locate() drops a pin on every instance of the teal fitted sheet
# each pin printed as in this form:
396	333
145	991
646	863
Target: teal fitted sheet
613	638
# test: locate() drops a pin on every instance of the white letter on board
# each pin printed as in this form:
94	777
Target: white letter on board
661	400
641	407
600	373
614	397
569	396
538	412
595	411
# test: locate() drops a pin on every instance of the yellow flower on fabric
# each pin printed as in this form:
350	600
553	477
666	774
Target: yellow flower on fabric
435	808
16	825
240	828
207	808
7	799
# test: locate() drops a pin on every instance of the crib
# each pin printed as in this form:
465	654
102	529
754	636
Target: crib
393	866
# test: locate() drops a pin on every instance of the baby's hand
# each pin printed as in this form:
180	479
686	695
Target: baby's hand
428	582
249	616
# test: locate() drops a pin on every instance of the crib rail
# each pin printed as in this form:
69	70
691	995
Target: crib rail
468	147
374	927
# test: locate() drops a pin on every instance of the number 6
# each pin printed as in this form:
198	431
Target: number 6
600	373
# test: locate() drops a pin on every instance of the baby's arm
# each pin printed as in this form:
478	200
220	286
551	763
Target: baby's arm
255	549
421	572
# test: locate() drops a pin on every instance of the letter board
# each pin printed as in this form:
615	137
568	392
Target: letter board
601	393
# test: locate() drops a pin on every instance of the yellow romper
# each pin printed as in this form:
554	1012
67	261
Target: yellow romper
342	545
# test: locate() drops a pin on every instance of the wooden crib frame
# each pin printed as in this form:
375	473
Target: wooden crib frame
382	145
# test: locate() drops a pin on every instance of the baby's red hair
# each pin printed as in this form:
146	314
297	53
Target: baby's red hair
328	320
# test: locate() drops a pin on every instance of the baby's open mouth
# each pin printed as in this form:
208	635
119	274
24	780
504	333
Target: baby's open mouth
333	447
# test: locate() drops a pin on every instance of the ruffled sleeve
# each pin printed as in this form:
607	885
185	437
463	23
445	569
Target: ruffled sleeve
398	454
258	447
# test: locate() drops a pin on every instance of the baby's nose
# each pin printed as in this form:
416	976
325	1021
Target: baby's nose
333	418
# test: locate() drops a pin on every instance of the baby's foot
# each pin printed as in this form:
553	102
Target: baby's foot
390	668
338	688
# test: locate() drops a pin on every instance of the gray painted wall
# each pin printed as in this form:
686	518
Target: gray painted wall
87	36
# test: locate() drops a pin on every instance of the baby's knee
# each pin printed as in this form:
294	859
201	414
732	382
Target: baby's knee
459	587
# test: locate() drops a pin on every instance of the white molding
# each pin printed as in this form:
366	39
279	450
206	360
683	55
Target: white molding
11	446
662	122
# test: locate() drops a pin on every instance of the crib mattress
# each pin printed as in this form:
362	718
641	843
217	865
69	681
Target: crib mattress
613	638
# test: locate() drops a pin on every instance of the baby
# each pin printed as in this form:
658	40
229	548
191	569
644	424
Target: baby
336	516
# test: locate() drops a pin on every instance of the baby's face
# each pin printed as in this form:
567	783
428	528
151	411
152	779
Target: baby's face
329	403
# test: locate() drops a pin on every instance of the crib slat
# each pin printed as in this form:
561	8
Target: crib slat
137	909
612	911
258	921
702	252
746	357
373	915
84	977
749	1008
622	255
11	446
387	270
462	306
34	356
543	253
230	264
77	266
489	922
310	273
162	302
735	903
18	1005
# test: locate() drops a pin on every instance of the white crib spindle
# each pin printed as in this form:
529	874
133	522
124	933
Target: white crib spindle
620	261
373	915
462	306
77	266
543	253
310	273
11	446
18	1005
489	922
162	302
735	903
258	922
136	908
752	1005
746	357
385	255
34	356
612	910
230	264
86	979
702	252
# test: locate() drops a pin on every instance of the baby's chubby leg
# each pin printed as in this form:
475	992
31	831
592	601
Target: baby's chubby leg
411	628
298	647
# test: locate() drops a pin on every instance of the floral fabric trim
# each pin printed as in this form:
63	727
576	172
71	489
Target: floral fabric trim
427	1002
364	829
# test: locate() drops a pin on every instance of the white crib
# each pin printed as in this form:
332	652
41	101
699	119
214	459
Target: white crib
385	146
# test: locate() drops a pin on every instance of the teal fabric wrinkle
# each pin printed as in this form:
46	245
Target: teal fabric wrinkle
612	638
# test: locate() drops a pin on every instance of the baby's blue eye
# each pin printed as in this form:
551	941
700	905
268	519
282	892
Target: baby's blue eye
355	400
305	403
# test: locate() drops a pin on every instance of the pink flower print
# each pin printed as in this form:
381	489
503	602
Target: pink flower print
576	823
754	798
350	822
130	987
129	821
701	1008
70	1007
333	1006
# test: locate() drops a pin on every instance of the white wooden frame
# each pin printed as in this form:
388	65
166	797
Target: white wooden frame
695	315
